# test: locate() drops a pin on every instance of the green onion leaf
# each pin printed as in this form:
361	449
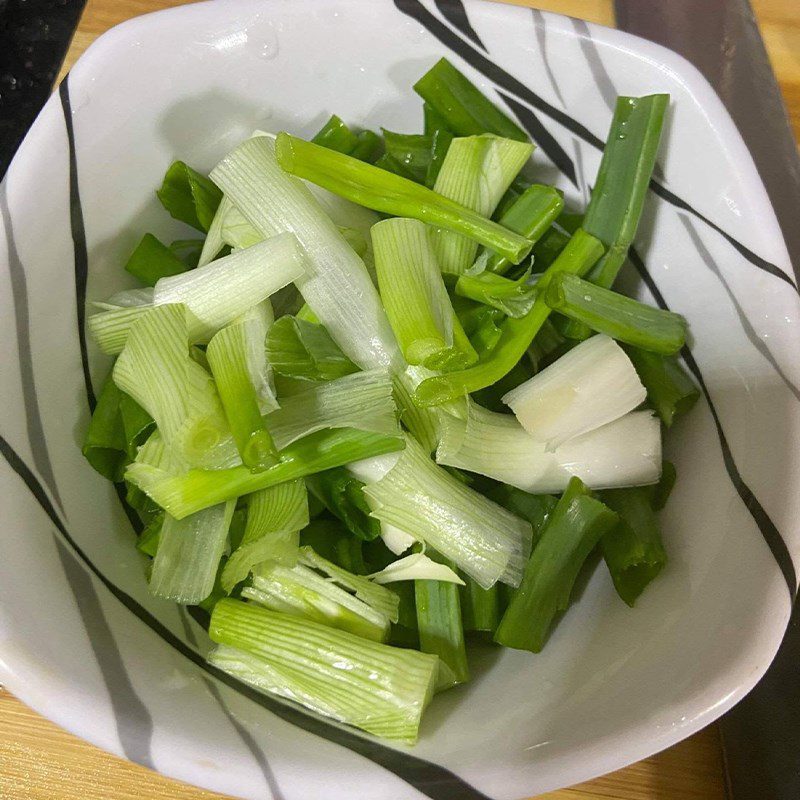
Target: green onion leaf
480	608
378	688
411	150
104	445
188	251
513	298
575	526
335	135
342	494
152	260
189	196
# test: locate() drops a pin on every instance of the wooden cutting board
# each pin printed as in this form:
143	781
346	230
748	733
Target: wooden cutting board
39	761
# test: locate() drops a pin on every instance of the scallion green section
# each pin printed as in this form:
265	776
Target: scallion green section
152	260
342	494
670	390
189	196
514	298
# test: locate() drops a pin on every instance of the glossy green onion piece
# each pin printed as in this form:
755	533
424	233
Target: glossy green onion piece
573	530
336	284
189	196
660	492
532	215
413	151
183	494
433	121
415	297
580	254
156	370
297	348
481	324
513	298
623	318
423	500
214	241
670	390
476	172
152	260
335	135
104	445
342	494
441	140
464	108
632	549
536	508
189	552
274	518
368	147
219	292
187	251
480	608
592	384
380	689
227	355
621	187
148	540
320	590
380	190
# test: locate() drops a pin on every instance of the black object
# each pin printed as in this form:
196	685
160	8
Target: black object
34	37
761	735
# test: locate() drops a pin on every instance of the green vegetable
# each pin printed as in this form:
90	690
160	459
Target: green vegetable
189	196
411	150
104	445
574	527
343	496
152	260
335	135
480	608
513	298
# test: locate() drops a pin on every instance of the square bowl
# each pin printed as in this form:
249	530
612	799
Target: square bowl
82	642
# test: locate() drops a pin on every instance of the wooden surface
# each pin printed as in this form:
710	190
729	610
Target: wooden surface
38	761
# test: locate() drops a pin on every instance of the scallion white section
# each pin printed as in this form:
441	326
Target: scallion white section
416	567
224	289
110	327
482	538
189	552
336	284
591	385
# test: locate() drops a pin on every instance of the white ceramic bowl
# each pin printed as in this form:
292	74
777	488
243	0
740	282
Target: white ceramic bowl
80	639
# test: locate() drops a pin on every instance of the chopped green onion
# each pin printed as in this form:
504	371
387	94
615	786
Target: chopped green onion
632	549
480	608
226	288
368	148
513	298
422	499
575	526
110	328
416	567
623	318
660	492
670	390
332	540
104	445
298	348
433	121
196	489
274	517
374	188
440	627
440	144
188	251
148	540
214	241
189	552
336	284
342	494
463	107
591	385
152	260
481	325
476	173
335	135
189	196
378	688
577	257
532	215
415	296
412	150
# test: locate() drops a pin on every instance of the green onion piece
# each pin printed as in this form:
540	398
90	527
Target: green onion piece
536	508
342	494
110	328
480	608
227	355
298	348
423	500
148	540
336	284
532	215
440	144
423	423
375	188
549	247
491	397
274	518
104	445
219	292
335	135
440	627
390	164
432	120
623	318
582	251
592	384
476	172
416	567
152	260
187	251
481	325
215	241
411	150
368	147
513	298
547	345
575	526
136	423
465	110
189	196
378	688
362	401
670	390
415	296
660	492
632	549
196	489
334	542
189	552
